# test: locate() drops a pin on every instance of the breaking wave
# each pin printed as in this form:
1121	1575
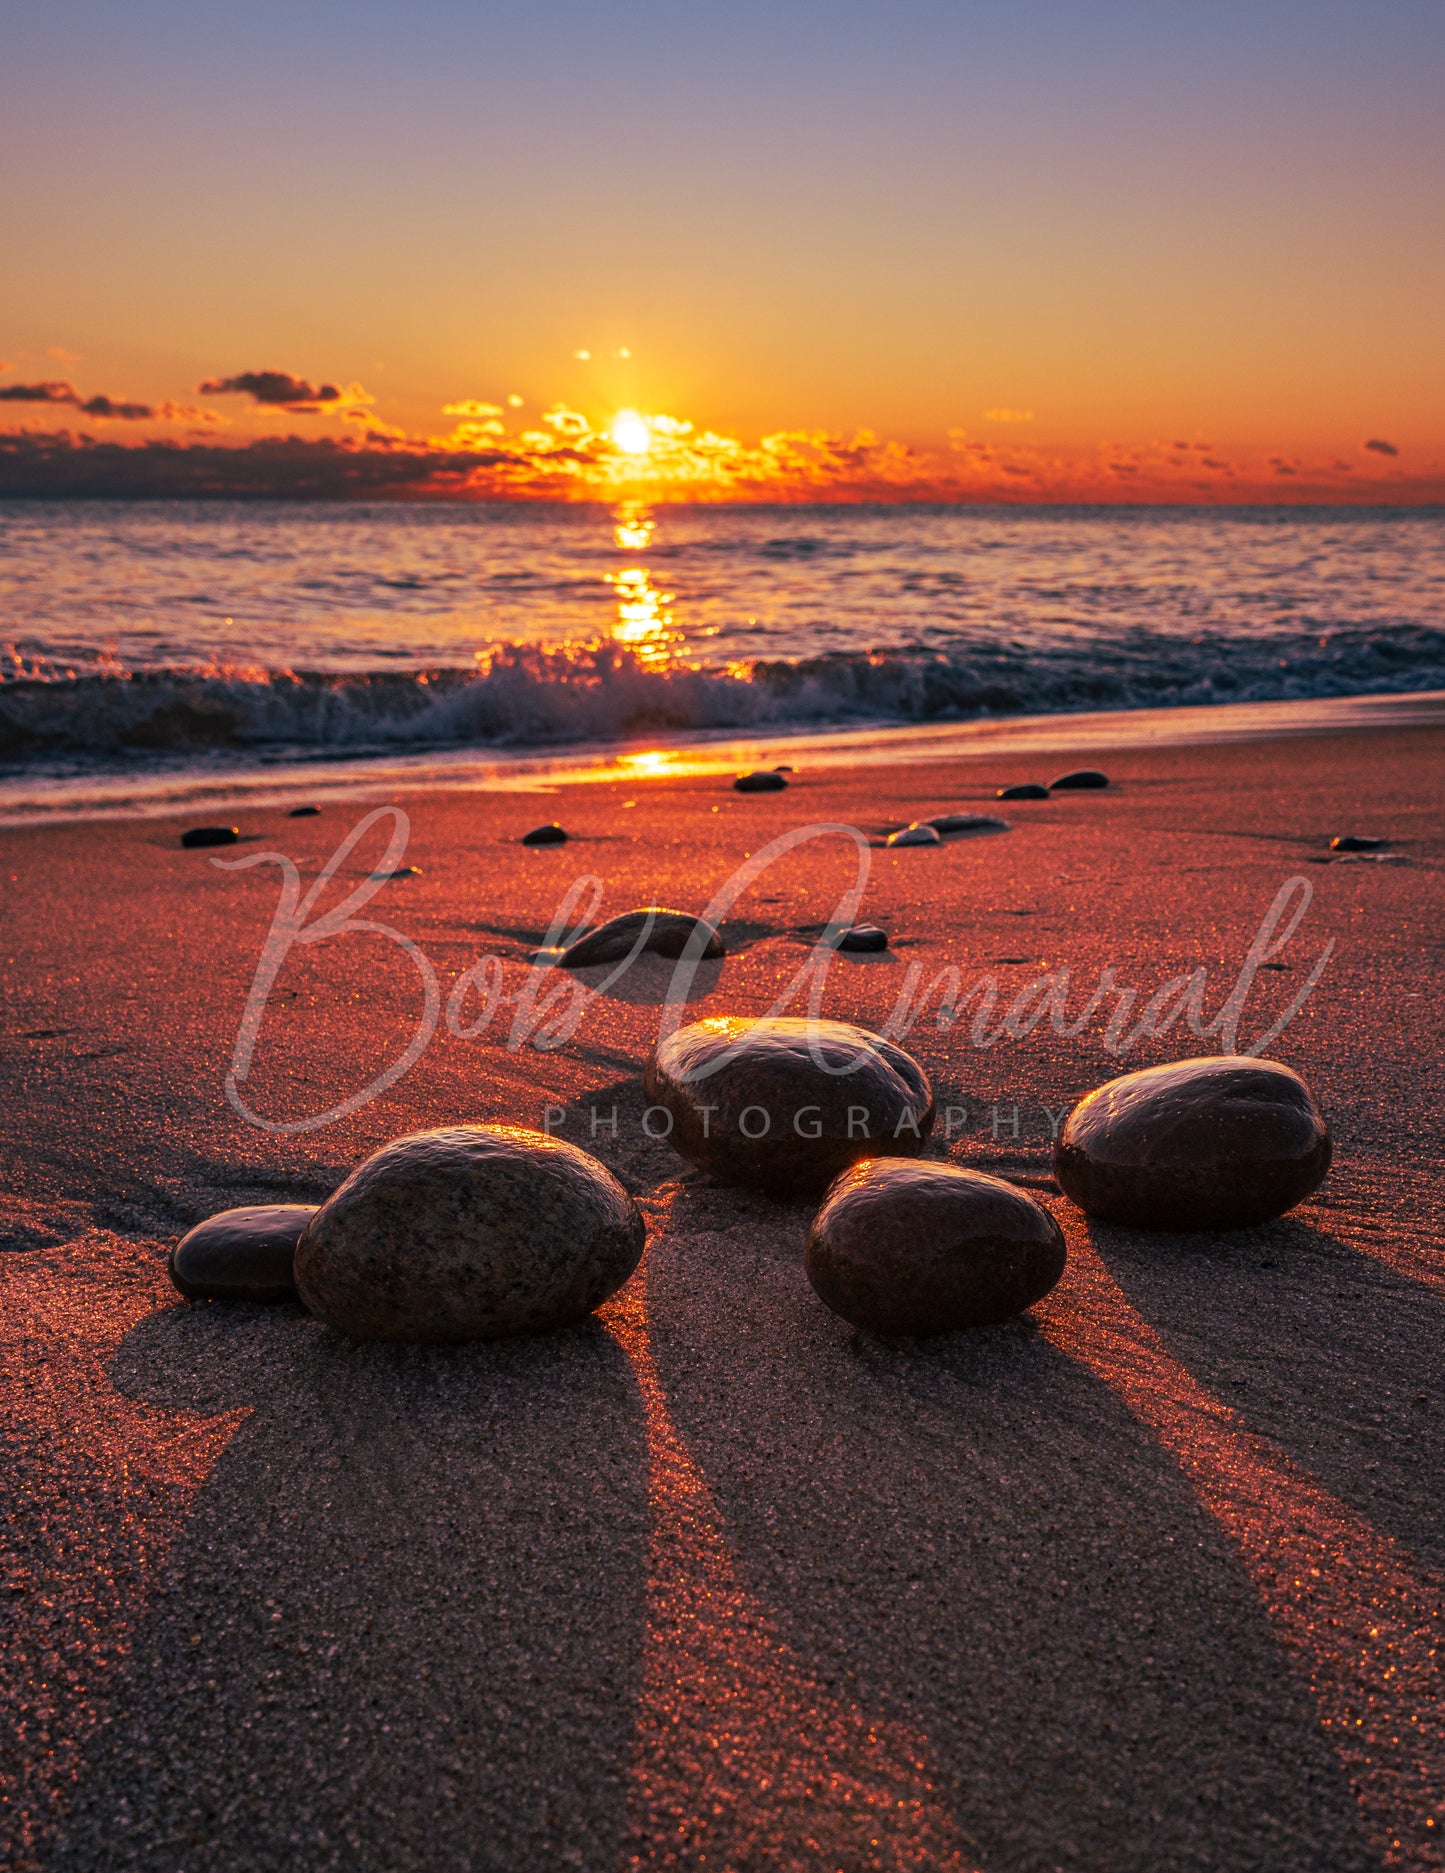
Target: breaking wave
524	695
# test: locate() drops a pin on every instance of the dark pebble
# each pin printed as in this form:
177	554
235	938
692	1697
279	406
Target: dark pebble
402	871
750	1120
1356	842
908	1248
967	822
211	835
863	936
241	1255
303	812
916	835
782	768
545	835
667	935
1081	780
761	780
1218	1143
1025	790
471	1233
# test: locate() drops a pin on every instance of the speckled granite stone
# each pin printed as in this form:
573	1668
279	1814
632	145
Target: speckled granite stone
667	935
768	1115
912	1248
1217	1143
241	1255
470	1233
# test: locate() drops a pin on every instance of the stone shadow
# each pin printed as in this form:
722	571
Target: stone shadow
1330	1353
403	1625
975	1537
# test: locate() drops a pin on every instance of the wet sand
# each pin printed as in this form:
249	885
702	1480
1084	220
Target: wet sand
1149	1580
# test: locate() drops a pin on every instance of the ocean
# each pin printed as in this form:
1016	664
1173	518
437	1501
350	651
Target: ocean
196	641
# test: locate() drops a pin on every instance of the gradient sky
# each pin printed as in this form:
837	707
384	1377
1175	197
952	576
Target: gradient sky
1136	223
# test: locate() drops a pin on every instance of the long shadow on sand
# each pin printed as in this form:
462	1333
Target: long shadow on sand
981	1542
1325	1350
403	1626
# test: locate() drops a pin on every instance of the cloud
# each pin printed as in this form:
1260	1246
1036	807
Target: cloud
55	392
1381	447
62	356
1008	416
276	389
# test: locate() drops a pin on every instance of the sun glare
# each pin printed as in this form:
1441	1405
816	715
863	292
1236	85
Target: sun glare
631	433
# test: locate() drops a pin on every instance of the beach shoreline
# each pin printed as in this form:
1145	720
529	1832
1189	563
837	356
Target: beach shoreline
1147	1581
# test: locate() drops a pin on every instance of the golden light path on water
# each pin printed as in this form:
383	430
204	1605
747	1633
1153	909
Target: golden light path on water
644	623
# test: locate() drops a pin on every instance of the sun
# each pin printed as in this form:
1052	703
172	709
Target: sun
631	433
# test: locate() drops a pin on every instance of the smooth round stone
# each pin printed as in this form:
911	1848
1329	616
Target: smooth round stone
1024	790
1218	1143
545	835
211	835
761	780
303	812
916	834
1081	780
751	1105
863	936
967	822
242	1255
471	1233
666	934
928	1248
1357	842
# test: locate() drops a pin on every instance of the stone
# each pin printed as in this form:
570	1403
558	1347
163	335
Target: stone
667	933
241	1255
475	1232
1024	790
901	1247
545	835
751	1105
916	834
303	812
967	822
1081	780
761	780
211	835
402	871
1357	842
862	936
782	768
1218	1143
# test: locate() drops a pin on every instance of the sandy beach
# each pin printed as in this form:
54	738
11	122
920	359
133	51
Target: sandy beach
1150	1579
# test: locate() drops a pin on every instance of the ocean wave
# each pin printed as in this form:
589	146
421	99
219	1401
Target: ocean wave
522	695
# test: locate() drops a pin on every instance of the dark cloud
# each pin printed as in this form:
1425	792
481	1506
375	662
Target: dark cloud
1380	447
38	393
277	389
61	393
57	465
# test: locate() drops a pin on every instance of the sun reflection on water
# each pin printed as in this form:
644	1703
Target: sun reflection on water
644	623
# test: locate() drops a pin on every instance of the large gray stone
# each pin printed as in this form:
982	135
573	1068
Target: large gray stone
1217	1143
663	932
912	1248
747	1098
241	1255
470	1233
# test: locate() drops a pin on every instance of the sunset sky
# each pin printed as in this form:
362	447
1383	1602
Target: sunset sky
1027	247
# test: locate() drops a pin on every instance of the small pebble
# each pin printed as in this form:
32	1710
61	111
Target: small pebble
303	812
909	1248
1218	1143
782	768
916	834
761	780
241	1255
545	835
862	936
668	932
402	871
1356	842
1081	780
967	822
470	1233
1025	790
211	835
764	1104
